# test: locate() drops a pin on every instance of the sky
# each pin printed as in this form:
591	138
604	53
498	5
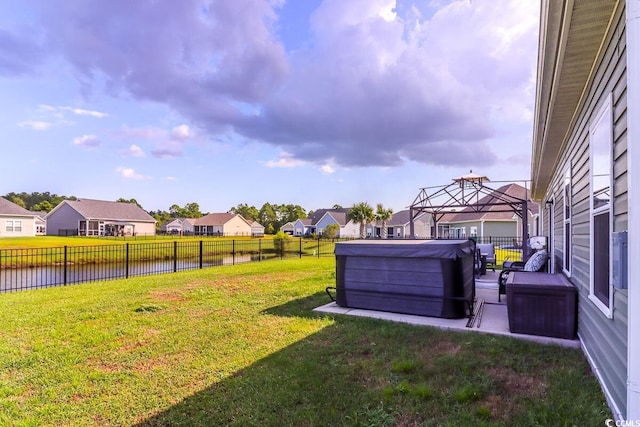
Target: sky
223	102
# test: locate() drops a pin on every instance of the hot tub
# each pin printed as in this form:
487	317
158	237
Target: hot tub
423	277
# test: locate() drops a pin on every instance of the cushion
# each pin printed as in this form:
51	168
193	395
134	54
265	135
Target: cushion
536	261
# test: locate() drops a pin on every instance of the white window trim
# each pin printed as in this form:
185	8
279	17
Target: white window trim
566	221
606	108
552	234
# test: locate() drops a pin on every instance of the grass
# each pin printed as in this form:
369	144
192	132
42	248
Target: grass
60	241
240	345
50	250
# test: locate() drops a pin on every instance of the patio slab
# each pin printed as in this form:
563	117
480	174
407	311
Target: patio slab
493	319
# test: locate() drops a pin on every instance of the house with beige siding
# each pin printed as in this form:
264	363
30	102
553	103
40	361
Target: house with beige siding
88	217
398	227
182	226
585	157
491	221
16	221
222	224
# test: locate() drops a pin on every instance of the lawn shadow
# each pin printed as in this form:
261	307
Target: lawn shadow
293	386
300	307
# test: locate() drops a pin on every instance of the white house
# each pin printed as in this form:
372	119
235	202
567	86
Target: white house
222	224
16	221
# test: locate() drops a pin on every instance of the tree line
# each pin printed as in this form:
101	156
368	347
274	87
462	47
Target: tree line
271	215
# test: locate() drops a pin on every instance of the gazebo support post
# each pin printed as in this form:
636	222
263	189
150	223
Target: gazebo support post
525	230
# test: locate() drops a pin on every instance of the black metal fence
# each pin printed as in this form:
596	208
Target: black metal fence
22	269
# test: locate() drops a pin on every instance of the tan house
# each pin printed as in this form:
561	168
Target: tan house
88	217
491	221
398	227
16	221
222	224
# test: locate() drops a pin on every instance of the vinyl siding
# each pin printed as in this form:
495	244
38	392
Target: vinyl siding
236	226
63	218
28	225
605	340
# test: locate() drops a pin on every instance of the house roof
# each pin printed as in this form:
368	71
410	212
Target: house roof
10	208
216	219
340	215
400	218
492	213
105	210
569	47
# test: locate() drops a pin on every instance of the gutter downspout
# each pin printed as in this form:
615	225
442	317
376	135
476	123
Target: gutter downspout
633	152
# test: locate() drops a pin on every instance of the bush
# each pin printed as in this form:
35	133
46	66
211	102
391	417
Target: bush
280	240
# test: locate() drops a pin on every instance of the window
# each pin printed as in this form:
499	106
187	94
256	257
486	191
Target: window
17	226
566	196
601	161
473	231
9	226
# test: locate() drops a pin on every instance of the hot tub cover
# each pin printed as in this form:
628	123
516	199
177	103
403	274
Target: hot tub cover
442	249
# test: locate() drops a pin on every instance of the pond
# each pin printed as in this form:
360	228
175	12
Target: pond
14	279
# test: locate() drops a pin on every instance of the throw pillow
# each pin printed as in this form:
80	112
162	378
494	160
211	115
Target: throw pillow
536	261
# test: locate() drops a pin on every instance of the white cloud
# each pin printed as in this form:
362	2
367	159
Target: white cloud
86	141
181	132
81	112
285	160
129	173
327	169
35	124
135	151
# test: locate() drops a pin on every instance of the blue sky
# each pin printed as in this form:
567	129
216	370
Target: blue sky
310	102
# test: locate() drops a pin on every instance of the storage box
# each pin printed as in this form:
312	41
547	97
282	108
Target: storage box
542	304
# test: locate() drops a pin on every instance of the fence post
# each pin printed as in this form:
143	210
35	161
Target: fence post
65	266
126	270
233	251
259	250
175	256
318	246
200	255
300	247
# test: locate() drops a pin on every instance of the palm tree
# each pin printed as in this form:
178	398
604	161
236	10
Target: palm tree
383	215
361	213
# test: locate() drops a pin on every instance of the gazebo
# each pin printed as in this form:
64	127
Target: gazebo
467	192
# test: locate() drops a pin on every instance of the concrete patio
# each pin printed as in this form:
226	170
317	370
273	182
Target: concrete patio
493	319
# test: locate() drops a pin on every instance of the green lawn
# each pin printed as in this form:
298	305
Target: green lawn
240	345
57	241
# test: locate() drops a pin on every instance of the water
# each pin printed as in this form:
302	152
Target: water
14	279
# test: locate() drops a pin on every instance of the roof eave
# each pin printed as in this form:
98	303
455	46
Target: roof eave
566	57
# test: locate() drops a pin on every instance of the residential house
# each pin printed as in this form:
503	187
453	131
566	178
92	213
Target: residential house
584	160
87	217
320	219
16	221
491	221
222	224
182	226
398	227
299	227
257	229
41	223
